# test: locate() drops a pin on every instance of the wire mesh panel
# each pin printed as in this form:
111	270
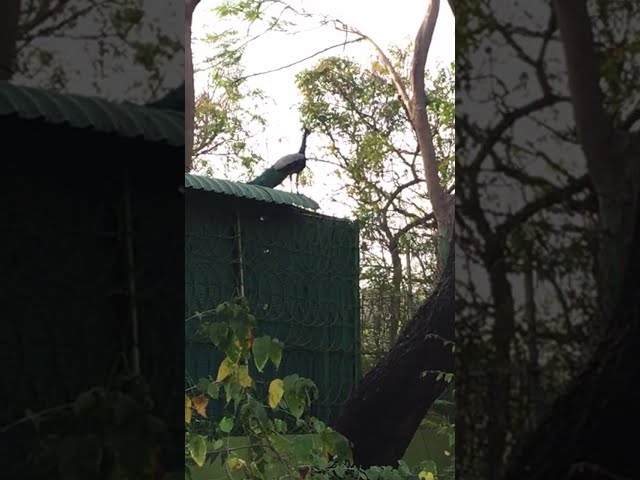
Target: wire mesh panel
60	264
65	293
158	233
300	276
60	273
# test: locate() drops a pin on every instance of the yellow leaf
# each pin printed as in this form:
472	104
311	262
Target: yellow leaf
226	369
187	409
276	390
235	463
243	376
423	475
200	404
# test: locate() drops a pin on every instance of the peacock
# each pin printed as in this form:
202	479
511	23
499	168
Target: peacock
287	166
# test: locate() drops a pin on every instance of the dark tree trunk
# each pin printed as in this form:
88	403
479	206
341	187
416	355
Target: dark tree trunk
396	292
590	432
8	37
189	95
586	435
385	409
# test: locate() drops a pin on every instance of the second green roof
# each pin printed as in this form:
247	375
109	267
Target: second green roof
252	192
155	123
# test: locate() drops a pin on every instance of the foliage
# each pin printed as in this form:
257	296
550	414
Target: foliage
373	150
106	433
521	183
282	439
355	112
110	37
225	115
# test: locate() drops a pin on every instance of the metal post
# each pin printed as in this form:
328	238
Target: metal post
131	275
240	258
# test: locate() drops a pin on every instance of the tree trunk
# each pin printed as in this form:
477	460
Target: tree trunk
533	360
385	409
8	37
396	292
503	334
189	96
585	435
442	203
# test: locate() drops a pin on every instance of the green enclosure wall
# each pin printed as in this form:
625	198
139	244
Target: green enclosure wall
300	278
64	295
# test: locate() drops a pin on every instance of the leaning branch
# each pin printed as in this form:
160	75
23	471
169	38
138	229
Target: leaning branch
395	77
283	67
420	52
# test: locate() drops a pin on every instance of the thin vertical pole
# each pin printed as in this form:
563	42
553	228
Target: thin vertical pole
409	285
240	258
131	275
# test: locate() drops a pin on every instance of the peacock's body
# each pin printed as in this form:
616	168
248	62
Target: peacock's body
288	165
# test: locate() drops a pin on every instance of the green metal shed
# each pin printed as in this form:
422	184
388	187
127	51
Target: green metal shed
298	270
91	200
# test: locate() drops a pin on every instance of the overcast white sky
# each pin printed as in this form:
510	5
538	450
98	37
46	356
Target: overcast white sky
382	20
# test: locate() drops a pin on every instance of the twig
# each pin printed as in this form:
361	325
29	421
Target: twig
341	44
31	417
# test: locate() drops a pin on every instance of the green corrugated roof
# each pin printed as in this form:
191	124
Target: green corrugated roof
125	119
253	192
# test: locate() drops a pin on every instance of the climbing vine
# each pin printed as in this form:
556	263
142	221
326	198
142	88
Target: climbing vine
273	436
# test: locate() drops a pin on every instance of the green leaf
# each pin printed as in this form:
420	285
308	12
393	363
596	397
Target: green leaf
319	426
262	348
233	390
258	411
276	352
295	405
213	390
198	449
280	425
226	424
203	385
429	466
217	445
340	471
298	392
403	468
234	349
218	334
289	383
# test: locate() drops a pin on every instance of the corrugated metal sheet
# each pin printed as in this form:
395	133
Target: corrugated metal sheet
125	119
253	192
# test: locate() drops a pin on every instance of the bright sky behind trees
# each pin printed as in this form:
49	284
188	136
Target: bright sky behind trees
382	20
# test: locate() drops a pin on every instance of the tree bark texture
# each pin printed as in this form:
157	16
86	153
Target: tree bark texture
8	37
590	430
385	409
396	292
189	95
443	204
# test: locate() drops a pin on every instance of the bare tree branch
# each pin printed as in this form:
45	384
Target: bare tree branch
283	67
420	52
395	77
